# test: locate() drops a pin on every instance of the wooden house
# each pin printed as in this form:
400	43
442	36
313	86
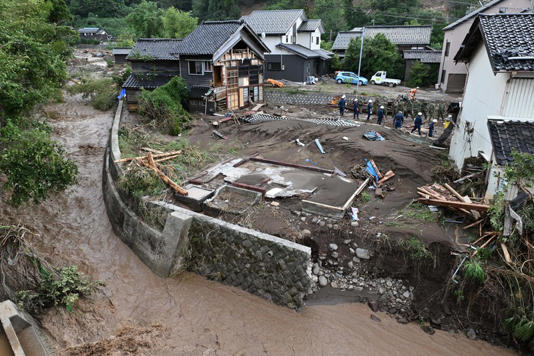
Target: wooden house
221	62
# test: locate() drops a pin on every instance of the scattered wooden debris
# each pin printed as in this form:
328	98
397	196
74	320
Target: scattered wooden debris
161	155
218	134
454	204
149	163
387	176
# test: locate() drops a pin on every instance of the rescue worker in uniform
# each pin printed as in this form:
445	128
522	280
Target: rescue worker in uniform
342	104
417	123
399	119
431	128
380	114
369	109
356	109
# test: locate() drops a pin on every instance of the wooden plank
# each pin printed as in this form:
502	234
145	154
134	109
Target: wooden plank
356	193
149	163
380	175
454	204
144	157
387	177
473	224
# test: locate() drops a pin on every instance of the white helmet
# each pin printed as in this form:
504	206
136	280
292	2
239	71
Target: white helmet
381	106
343	97
419	113
370	101
435	120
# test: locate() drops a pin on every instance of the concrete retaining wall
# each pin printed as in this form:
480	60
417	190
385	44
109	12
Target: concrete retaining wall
270	267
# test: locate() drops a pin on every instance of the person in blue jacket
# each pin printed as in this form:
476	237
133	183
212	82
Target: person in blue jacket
380	114
417	123
431	128
342	104
399	119
356	109
369	109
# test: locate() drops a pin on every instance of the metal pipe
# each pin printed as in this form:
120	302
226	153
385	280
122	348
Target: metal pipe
360	60
522	57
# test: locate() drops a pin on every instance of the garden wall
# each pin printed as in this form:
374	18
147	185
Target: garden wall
273	268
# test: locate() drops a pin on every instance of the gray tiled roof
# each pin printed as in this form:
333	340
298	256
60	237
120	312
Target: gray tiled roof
146	81
471	14
402	35
342	40
304	52
273	21
509	136
425	56
155	49
311	25
508	37
89	30
208	37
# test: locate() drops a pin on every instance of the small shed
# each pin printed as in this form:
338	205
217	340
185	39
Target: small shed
120	54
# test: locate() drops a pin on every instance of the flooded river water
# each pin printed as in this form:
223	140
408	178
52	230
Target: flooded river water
198	317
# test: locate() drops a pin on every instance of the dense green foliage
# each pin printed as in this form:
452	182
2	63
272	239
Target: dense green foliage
378	54
63	287
164	106
33	48
423	75
177	23
101	92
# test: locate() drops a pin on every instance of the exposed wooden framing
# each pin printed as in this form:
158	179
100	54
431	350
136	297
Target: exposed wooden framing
454	204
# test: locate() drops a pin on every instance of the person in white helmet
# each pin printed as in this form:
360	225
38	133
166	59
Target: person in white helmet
342	104
369	109
431	128
380	114
418	122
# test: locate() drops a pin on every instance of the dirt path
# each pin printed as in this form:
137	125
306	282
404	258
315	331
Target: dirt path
195	316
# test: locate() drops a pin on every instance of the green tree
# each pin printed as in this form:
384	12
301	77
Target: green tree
423	75
177	23
146	19
32	70
102	8
355	16
378	54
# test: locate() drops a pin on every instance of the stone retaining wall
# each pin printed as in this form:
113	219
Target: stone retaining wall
281	98
265	265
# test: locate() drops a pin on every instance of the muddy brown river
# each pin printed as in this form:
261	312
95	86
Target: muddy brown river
196	316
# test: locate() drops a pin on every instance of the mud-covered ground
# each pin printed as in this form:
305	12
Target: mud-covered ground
138	313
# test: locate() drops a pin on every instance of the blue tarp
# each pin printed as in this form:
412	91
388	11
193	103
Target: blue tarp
369	168
122	94
373	136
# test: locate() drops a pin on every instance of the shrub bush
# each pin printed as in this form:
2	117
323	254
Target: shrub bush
102	92
165	106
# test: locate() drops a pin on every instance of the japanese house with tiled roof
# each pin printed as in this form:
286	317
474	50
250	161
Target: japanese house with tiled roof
452	74
499	55
294	42
221	62
412	41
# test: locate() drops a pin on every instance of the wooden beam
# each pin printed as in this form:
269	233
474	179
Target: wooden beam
454	204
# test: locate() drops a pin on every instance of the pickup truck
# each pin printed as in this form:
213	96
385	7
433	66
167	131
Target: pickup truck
381	78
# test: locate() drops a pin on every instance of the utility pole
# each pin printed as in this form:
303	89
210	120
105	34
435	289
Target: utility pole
360	61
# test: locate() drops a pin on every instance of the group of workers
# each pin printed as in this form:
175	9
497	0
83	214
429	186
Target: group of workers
398	119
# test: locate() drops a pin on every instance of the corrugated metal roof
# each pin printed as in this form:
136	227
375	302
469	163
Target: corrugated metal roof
273	21
520	98
146	81
342	40
509	136
89	30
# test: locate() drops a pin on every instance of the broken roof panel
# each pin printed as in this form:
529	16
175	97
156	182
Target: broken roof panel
509	40
402	35
510	136
343	39
425	56
273	22
163	49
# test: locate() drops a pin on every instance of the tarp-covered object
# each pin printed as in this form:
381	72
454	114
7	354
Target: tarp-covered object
373	136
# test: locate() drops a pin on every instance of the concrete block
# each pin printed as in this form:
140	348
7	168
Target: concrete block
232	200
176	232
195	197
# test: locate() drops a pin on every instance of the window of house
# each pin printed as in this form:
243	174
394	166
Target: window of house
287	39
195	68
443	72
317	40
208	66
447	48
274	66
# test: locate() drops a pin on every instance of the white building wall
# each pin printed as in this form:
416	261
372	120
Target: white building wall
316	34
519	101
271	41
304	39
483	97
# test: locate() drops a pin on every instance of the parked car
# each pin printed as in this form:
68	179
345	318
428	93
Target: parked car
350	78
381	78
